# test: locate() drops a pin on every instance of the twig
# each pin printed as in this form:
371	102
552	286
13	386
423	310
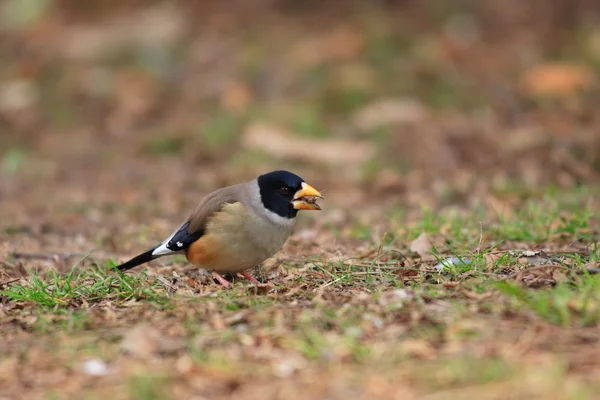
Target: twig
514	275
329	283
46	256
168	285
9	282
592	271
3	272
480	237
377	266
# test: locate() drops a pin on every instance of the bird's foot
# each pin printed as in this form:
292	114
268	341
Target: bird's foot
221	280
260	287
252	279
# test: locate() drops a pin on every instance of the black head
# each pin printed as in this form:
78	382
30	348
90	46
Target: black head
277	191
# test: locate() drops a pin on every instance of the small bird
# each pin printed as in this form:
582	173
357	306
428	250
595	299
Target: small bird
238	227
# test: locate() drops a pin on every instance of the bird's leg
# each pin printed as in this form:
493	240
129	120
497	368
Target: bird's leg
252	279
221	280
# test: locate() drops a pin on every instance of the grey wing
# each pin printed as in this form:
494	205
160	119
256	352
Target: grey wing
211	204
194	226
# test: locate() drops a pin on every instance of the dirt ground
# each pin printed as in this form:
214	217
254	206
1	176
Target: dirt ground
457	145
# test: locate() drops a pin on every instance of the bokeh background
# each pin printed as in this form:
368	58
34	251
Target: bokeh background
436	129
131	109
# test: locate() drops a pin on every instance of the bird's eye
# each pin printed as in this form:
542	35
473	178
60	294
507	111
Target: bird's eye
285	190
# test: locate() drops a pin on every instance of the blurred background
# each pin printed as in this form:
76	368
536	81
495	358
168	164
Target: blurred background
434	128
134	108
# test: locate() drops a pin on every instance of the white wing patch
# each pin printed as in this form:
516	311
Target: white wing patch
162	249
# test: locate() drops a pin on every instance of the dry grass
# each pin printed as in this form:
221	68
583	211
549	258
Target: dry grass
519	312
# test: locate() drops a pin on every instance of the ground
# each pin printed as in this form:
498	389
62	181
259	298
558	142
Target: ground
456	255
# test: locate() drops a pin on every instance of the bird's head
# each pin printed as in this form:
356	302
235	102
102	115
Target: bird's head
285	193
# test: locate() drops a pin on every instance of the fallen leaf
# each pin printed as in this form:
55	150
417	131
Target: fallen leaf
396	298
236	97
556	79
388	180
135	92
218	322
533	257
355	76
150	27
144	341
324	151
491	259
288	366
341	43
417	348
8	369
421	245
388	112
184	364
18	95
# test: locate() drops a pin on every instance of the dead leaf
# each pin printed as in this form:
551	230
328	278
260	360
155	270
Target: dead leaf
355	75
417	348
395	298
184	364
559	275
388	112
534	257
236	97
218	322
8	369
135	92
341	43
491	258
161	25
285	145
144	342
557	79
421	245
18	95
287	366
389	180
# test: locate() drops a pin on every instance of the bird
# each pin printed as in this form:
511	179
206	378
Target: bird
236	228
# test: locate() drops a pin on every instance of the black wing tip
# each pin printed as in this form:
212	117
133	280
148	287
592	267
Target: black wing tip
135	261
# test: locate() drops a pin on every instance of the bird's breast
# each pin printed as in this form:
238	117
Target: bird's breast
237	239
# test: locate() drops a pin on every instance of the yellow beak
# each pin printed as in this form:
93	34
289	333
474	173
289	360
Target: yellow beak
305	198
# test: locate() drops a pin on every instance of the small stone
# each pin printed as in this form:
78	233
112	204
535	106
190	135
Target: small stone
450	262
95	367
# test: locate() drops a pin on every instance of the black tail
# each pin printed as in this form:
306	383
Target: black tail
137	260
